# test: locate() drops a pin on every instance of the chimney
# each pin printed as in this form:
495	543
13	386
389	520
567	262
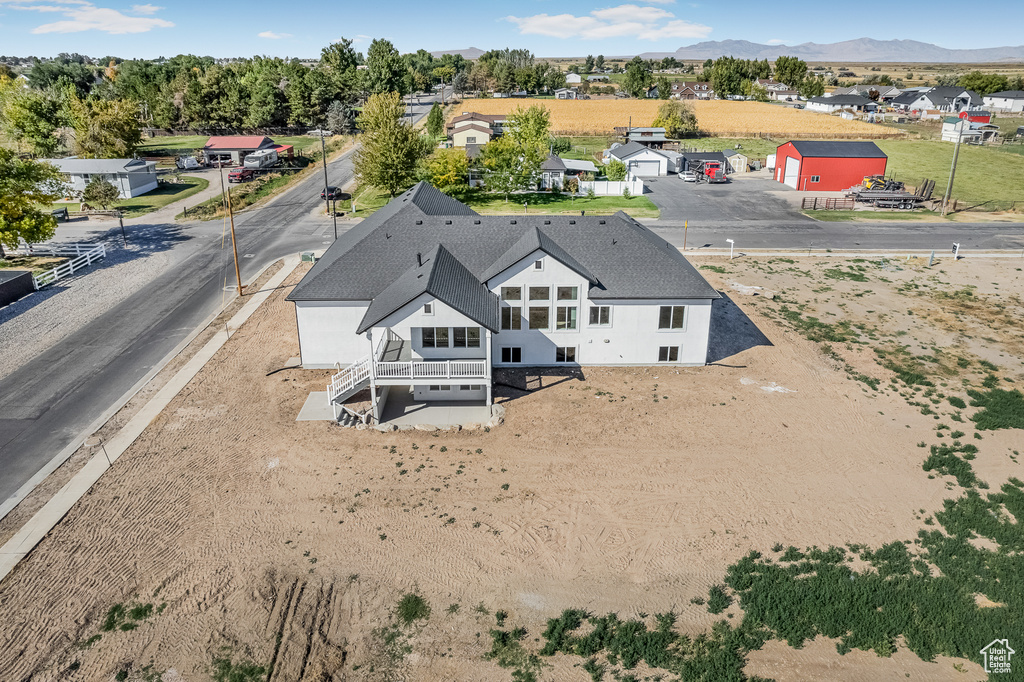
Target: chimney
419	259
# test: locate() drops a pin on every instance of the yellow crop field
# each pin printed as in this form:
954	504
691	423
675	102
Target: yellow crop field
717	117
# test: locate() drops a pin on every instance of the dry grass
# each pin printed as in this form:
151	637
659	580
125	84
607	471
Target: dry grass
719	118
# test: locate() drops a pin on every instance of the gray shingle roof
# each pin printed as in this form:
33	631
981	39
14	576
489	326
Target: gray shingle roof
842	100
1010	94
552	163
442	276
626	259
76	165
838	148
629	149
534	239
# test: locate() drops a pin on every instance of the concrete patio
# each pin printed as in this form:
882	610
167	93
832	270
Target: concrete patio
401	410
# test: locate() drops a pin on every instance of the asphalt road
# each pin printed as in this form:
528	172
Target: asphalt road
47	402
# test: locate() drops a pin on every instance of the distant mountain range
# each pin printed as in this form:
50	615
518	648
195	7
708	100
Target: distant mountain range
468	53
860	50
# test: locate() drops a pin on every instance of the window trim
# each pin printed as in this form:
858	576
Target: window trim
815	178
669	353
428	308
547	318
547	297
576	322
576	293
565	350
511	355
538	265
515	318
671	319
604	325
501	292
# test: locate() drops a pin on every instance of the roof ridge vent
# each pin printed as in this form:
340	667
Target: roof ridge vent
547	222
600	222
476	222
419	222
447	222
572	222
511	222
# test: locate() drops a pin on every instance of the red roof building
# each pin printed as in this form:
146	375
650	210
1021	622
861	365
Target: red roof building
234	148
828	166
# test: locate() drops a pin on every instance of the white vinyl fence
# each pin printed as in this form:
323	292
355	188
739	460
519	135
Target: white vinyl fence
609	188
85	255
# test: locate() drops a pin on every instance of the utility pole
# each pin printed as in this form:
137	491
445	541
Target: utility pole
327	200
952	170
234	246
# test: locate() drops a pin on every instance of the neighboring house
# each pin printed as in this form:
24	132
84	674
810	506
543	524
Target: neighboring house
573	78
954	128
886	93
648	137
428	296
597	78
829	105
496	122
555	170
945	99
827	166
469	133
783	95
132	177
737	162
770	84
652	92
640	160
1006	100
692	90
234	148
566	93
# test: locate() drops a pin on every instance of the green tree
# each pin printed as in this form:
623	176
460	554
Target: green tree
615	170
391	149
448	170
32	118
677	118
638	78
588	64
529	131
791	71
385	70
984	83
758	92
664	87
25	186
100	192
435	122
341	118
500	157
339	60
813	87
599	62
105	129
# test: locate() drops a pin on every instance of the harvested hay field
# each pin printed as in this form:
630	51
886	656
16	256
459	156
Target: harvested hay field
232	542
716	118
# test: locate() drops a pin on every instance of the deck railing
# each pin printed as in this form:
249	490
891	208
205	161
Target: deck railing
433	369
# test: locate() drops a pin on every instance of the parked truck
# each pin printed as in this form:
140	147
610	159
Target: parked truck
261	158
713	171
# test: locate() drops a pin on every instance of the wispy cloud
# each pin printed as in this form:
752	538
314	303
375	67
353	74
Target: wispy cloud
274	36
776	41
643	23
82	15
146	9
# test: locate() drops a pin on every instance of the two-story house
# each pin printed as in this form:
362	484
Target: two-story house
428	294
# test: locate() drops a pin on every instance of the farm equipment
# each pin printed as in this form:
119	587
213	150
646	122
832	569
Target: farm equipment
888	193
710	171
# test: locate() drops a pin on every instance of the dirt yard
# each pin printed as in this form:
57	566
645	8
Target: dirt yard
231	537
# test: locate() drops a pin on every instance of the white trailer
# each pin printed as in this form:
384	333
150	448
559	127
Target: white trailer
261	158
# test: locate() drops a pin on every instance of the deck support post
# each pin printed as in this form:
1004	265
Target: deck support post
487	368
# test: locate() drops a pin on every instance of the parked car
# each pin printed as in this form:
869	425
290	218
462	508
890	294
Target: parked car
688	176
331	193
241	175
320	133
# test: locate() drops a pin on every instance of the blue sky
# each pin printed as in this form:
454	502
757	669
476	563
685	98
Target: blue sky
550	29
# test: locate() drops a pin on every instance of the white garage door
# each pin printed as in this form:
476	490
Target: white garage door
792	172
643	168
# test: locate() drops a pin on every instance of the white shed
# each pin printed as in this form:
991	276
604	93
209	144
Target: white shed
132	177
640	161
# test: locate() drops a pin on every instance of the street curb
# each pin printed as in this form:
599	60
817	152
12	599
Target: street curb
15	549
8	505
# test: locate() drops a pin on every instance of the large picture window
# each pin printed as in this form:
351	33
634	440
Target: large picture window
539	318
465	337
435	337
511	293
540	293
566	293
671	317
565	317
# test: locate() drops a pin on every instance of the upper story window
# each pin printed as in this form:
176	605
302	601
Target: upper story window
428	308
567	293
471	140
511	293
466	337
671	317
540	293
538	265
600	315
435	337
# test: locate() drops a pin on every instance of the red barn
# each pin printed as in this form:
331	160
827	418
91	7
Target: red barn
977	116
827	166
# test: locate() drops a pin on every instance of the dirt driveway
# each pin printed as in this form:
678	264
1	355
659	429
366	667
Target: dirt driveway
742	198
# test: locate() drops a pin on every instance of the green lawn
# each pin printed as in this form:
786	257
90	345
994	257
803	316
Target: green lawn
589	148
545	202
843	216
166	193
984	174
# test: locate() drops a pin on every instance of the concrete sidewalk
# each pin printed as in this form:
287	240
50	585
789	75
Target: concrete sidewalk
61	503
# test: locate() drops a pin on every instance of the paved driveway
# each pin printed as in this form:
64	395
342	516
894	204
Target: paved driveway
745	198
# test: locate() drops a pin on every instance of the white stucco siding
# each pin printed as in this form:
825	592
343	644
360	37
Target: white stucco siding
408	322
632	336
1004	103
640	163
469	391
327	332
